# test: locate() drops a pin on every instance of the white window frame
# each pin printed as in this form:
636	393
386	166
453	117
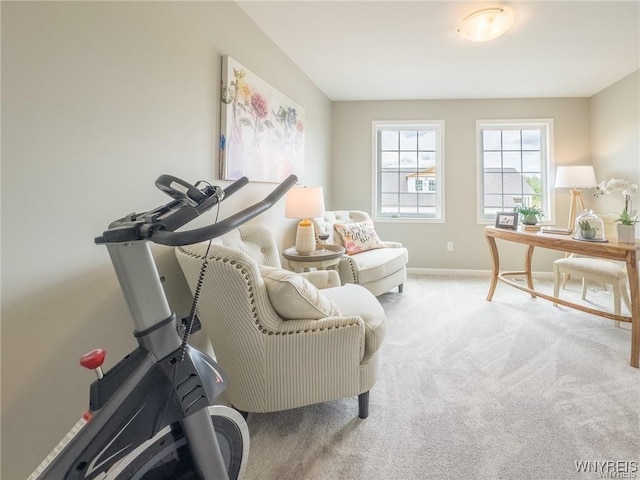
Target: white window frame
438	127
547	173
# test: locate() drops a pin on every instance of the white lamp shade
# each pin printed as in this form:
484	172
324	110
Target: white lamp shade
485	25
304	202
576	176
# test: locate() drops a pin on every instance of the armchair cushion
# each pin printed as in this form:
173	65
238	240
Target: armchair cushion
380	263
360	302
358	237
294	297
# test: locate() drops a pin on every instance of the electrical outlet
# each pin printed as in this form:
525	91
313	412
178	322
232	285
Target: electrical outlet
449	246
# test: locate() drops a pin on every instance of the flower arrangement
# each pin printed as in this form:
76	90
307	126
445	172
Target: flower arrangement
616	185
627	216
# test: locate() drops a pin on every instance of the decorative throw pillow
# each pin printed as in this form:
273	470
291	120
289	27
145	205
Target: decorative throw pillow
359	237
294	297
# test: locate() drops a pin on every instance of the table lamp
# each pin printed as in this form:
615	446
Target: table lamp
575	178
304	203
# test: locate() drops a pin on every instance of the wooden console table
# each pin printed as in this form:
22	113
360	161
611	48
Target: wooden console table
626	252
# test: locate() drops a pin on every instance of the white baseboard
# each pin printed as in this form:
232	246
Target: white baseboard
454	272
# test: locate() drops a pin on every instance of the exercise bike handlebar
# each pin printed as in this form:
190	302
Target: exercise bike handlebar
174	239
160	224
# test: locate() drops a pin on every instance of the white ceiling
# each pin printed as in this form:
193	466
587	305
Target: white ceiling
390	50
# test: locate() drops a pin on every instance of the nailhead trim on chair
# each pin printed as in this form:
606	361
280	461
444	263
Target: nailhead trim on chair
353	272
247	278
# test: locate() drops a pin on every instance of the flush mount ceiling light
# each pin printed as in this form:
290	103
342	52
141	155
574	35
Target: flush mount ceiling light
485	25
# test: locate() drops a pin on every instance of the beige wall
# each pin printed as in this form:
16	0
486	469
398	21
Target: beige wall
352	158
98	99
615	140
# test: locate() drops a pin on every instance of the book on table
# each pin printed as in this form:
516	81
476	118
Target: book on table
557	230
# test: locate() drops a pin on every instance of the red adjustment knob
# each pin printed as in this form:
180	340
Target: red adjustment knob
94	360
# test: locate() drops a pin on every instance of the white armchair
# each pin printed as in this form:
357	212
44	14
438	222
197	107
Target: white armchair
326	349
379	269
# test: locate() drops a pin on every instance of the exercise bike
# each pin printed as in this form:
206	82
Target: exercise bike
153	415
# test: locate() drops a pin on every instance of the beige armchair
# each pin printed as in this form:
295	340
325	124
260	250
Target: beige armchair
378	270
275	363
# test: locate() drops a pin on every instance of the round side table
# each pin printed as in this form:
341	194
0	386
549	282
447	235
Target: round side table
324	257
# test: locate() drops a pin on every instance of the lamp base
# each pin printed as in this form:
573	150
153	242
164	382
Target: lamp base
305	238
576	206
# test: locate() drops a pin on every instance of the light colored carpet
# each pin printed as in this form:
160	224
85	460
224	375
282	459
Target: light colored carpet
468	389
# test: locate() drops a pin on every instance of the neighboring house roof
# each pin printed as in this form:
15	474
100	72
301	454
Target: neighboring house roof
510	181
427	172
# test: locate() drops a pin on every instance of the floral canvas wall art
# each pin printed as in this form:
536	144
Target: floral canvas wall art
261	130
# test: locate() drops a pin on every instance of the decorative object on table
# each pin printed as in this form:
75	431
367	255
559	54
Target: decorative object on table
575	178
507	220
627	218
626	227
617	185
529	215
261	130
589	227
323	237
304	203
587	231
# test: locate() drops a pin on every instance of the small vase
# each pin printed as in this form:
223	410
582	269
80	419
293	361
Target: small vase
626	233
530	219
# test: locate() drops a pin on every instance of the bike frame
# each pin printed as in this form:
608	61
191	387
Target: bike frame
164	380
137	398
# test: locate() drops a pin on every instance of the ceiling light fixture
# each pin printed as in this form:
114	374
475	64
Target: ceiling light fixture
485	25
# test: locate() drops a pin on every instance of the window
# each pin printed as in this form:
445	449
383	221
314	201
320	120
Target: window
409	170
514	166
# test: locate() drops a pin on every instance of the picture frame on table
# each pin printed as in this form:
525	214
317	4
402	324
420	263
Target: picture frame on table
507	220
